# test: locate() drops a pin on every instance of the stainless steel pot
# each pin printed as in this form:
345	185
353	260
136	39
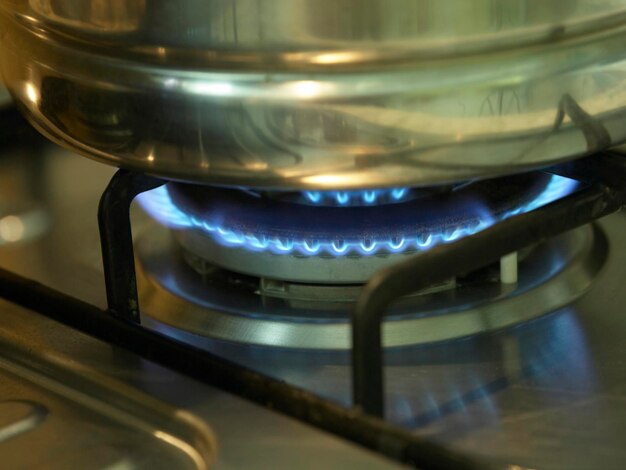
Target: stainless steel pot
321	93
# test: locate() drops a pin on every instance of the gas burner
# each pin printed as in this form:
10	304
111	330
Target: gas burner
284	238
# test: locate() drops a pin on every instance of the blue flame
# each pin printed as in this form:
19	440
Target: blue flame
159	205
370	197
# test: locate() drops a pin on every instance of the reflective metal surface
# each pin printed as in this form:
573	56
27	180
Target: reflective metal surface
321	94
69	401
56	413
549	394
551	276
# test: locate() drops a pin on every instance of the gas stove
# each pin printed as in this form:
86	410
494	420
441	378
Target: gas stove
344	234
297	262
264	316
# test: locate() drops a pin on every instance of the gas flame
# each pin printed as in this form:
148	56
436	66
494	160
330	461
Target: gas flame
160	206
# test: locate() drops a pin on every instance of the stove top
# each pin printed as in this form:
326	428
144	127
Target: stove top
548	393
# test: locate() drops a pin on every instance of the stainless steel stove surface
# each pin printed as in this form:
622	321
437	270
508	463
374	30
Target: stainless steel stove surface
70	401
547	394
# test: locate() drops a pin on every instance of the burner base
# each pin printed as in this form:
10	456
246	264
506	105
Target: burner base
552	275
290	290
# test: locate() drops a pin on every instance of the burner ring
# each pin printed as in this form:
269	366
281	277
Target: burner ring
178	302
